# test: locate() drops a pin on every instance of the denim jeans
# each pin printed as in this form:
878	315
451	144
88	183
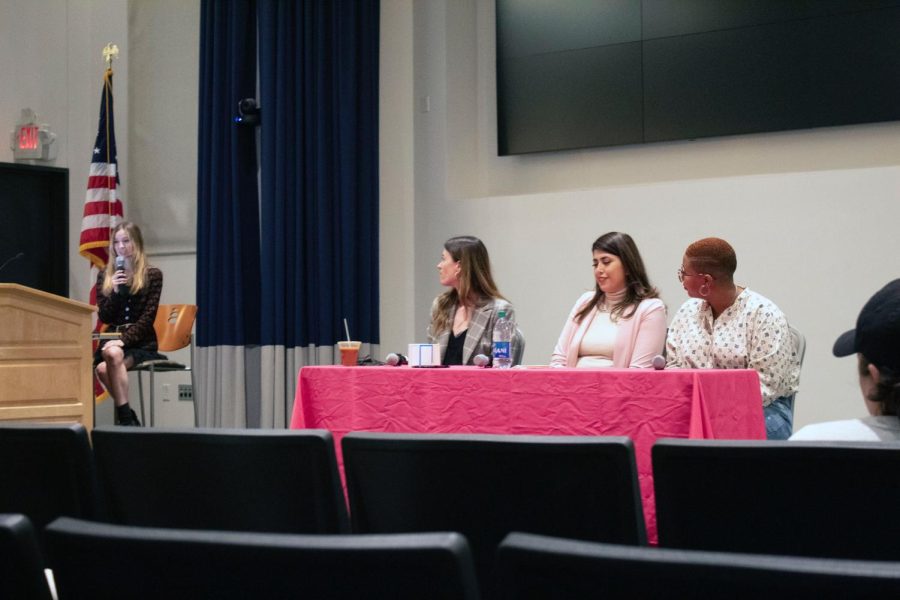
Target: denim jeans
779	418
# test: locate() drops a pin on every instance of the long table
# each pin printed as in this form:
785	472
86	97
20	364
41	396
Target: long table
642	404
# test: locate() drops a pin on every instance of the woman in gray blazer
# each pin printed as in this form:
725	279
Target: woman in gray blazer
463	317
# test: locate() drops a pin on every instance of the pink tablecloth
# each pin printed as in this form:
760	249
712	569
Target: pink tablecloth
642	404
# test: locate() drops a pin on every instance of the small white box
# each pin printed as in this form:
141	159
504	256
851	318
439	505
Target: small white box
424	355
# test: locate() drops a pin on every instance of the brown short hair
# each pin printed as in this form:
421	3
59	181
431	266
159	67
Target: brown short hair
712	256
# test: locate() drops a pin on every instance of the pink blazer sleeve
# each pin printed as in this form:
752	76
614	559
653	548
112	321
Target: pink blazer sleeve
641	337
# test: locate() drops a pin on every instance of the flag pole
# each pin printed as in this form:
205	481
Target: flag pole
102	206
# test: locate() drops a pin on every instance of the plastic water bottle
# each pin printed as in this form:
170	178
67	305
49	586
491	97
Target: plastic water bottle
504	332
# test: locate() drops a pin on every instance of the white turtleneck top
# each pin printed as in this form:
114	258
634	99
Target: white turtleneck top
598	343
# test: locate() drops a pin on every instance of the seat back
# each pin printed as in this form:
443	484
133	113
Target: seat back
230	479
778	497
800	352
166	563
799	344
532	566
22	564
47	471
518	347
485	486
174	324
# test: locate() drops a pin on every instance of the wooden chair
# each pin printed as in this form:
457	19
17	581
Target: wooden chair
174	326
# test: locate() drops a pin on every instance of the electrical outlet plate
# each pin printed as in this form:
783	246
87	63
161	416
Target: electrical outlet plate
185	392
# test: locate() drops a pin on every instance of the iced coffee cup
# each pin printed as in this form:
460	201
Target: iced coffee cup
349	353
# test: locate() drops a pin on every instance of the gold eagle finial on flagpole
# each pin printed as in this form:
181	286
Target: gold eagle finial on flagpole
110	53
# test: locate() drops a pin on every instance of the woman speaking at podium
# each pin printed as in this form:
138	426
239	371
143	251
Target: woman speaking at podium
127	297
463	317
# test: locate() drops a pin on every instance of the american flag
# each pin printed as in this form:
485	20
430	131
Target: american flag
102	204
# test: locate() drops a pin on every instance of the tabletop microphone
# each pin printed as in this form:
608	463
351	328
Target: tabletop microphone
395	360
659	362
120	266
480	360
9	260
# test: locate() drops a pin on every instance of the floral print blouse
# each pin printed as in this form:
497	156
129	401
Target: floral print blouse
752	333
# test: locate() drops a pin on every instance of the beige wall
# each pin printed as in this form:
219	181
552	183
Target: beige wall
51	61
811	213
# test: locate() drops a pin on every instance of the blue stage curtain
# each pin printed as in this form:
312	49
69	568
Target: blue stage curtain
318	83
228	280
281	265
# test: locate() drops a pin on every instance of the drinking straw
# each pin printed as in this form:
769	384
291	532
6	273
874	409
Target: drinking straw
347	329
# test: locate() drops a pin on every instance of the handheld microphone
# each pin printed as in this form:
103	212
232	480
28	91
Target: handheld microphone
659	362
120	266
9	260
395	360
481	360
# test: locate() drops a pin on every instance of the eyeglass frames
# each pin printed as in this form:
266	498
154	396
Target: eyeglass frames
682	274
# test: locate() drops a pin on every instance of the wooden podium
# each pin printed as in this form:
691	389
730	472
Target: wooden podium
45	357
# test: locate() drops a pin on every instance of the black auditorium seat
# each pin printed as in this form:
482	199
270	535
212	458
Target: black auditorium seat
21	561
534	566
225	479
826	499
485	486
47	471
102	560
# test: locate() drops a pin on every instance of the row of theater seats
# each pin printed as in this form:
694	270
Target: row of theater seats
760	497
177	563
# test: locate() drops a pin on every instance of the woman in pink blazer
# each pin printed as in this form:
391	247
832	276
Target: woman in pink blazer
622	323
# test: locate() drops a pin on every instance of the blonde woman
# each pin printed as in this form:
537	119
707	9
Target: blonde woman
127	299
463	317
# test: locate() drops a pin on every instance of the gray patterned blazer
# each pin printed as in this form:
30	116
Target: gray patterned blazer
481	329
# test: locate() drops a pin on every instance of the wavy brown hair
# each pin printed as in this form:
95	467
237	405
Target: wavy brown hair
139	262
476	284
637	285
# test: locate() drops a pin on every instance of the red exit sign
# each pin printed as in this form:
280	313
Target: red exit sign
28	137
32	140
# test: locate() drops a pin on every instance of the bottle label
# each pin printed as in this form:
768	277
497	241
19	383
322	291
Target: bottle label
501	350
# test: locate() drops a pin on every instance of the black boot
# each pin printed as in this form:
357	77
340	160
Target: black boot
125	416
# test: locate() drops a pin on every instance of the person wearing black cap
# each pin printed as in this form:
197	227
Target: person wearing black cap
876	342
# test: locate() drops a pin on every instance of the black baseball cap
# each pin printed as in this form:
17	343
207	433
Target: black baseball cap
877	333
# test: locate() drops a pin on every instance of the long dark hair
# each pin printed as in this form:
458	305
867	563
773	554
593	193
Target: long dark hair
637	285
476	284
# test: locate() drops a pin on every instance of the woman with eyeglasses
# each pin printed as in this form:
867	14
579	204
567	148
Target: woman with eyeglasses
726	326
622	321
